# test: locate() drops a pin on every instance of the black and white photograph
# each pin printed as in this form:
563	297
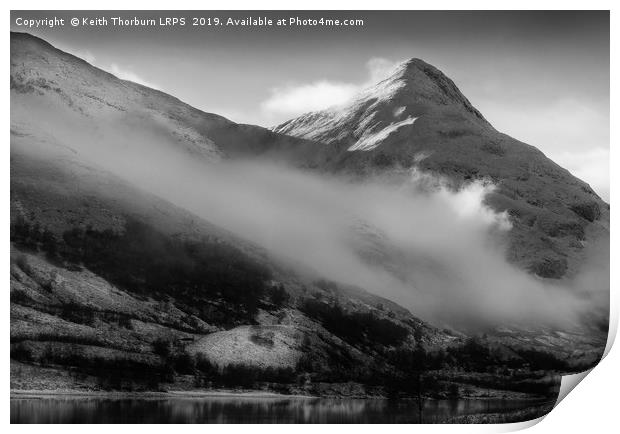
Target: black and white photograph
306	217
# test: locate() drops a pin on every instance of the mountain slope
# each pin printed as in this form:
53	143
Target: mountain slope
418	119
44	75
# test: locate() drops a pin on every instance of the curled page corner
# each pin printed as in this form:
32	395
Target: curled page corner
569	382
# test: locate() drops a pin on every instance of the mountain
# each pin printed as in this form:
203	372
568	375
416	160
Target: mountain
417	119
116	285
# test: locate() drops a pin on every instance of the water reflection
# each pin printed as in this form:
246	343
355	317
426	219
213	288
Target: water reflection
244	410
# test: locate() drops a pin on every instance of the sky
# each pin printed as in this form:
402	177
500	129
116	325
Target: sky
539	76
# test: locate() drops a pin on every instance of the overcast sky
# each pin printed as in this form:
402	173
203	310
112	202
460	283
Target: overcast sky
541	77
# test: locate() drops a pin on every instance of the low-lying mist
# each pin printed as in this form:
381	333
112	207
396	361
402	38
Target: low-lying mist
440	253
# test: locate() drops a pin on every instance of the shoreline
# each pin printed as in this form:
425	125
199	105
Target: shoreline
33	393
196	394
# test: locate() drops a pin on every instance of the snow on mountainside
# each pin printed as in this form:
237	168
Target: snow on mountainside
71	84
376	108
418	121
370	139
316	126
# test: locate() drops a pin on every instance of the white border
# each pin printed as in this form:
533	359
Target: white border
591	409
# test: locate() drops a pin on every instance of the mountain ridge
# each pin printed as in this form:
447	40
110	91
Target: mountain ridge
39	67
